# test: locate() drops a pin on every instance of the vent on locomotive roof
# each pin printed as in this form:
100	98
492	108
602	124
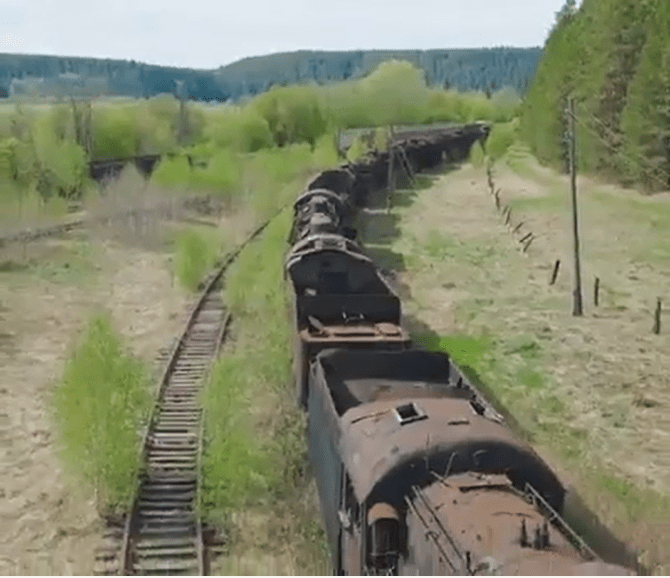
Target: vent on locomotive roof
409	413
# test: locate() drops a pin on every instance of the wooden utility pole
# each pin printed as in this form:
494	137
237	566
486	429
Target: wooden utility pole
391	180
577	309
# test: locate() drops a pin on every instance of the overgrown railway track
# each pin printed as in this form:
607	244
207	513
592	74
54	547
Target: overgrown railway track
163	534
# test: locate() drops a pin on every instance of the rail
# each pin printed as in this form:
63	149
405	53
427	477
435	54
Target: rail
162	532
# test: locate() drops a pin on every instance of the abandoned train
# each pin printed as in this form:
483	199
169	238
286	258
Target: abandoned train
416	472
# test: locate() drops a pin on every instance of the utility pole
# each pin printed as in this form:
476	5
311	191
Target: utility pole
391	179
577	309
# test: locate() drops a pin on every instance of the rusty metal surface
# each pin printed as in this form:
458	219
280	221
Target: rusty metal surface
384	455
417	473
487	527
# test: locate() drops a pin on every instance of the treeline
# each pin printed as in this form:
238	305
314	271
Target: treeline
613	57
46	149
486	70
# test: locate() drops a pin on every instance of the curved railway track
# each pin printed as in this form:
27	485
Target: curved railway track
163	532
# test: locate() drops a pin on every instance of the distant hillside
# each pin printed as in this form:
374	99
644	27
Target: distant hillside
463	69
613	56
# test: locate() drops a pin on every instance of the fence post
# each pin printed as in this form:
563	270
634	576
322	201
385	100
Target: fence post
657	317
554	275
596	291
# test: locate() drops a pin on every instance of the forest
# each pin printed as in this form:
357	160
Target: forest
613	58
485	70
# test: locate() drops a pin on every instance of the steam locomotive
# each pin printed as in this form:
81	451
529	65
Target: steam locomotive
417	473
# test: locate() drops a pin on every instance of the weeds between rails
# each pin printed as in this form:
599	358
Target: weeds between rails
163	533
416	471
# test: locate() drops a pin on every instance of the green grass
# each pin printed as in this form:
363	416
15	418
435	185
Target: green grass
255	463
194	258
71	265
510	374
99	406
548	203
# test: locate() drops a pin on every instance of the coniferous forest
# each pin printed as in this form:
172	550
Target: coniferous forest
485	70
613	58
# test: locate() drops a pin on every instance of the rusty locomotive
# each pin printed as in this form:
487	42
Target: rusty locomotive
416	472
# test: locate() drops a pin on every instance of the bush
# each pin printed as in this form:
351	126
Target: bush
100	404
244	130
477	155
62	166
222	174
172	172
115	133
293	114
501	138
194	258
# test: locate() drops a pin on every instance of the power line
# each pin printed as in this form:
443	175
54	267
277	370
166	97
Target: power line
617	151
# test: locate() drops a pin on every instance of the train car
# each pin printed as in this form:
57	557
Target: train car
340	300
418	475
319	211
340	181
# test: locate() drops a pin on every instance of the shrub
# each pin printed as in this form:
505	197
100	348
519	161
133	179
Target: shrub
115	133
222	174
501	138
100	404
172	172
194	258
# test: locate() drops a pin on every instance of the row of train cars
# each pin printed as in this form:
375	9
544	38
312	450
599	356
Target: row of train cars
417	473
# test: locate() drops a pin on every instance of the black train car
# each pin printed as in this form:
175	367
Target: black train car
340	300
418	475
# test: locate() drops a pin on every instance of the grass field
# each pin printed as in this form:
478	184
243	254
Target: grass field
590	393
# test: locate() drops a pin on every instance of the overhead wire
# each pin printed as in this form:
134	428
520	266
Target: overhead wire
653	174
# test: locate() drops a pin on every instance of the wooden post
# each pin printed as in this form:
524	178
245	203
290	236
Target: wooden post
578	309
497	196
554	275
391	180
516	229
509	215
657	317
528	242
596	291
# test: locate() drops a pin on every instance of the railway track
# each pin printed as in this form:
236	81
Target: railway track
163	532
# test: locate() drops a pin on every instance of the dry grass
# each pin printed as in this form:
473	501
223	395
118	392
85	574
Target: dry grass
592	393
49	520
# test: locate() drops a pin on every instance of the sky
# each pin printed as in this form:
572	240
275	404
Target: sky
211	33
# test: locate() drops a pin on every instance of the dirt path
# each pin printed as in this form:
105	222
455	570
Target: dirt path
592	393
49	525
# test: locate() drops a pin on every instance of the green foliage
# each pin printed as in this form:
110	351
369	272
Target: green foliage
172	172
222	174
466	350
477	155
194	258
62	165
397	91
502	137
357	150
244	130
646	119
115	133
611	56
99	407
246	458
293	114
